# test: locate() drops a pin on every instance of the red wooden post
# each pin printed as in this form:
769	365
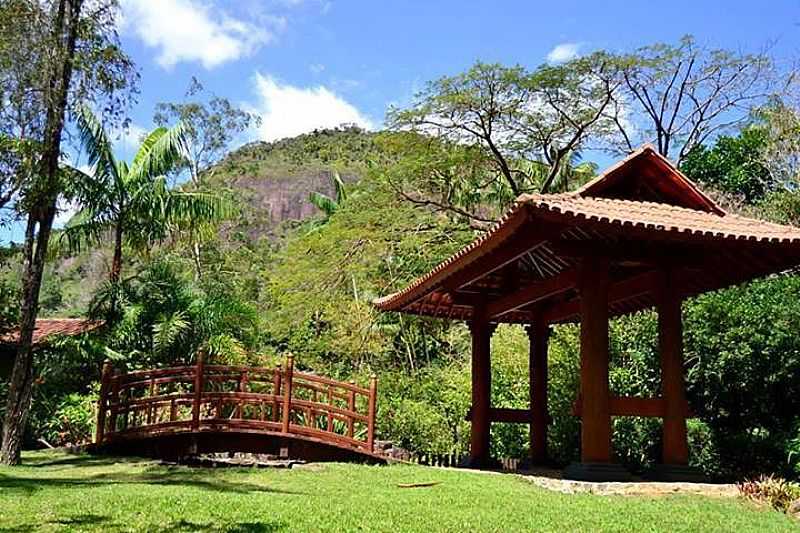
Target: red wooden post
287	393
481	390
330	403
276	391
676	451
112	422
198	389
105	379
351	406
593	281
538	333
373	394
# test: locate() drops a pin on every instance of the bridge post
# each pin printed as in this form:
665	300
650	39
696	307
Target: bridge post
276	391
373	393
287	393
105	379
198	389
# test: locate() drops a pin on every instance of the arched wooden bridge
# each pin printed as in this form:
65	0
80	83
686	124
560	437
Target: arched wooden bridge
174	412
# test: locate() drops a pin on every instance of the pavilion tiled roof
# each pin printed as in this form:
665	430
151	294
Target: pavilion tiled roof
688	216
47	328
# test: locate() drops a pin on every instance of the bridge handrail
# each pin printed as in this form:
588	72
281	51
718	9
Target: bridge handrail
146	402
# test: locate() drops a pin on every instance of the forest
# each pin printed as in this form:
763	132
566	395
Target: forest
254	250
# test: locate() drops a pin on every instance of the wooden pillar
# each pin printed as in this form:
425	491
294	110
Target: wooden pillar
670	343
538	333
593	283
481	391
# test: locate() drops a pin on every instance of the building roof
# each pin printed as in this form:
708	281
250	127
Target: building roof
47	328
642	211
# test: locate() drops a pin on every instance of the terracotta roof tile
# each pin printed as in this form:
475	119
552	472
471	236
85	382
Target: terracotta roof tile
50	327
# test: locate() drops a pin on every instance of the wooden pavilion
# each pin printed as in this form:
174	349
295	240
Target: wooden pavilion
639	236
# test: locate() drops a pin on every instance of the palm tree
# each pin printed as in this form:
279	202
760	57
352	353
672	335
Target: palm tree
133	203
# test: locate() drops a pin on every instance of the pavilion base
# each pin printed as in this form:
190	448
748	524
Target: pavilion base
597	472
662	472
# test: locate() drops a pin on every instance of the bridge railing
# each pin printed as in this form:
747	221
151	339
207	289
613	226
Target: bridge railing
219	398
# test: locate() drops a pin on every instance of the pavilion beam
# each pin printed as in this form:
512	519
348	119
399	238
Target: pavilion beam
623	290
673	388
481	331
504	255
533	293
538	333
593	283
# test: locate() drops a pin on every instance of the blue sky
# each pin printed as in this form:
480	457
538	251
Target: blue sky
311	63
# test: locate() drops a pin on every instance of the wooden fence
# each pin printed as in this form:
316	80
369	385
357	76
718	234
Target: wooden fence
214	398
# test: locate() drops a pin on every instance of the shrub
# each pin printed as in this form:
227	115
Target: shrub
73	420
775	491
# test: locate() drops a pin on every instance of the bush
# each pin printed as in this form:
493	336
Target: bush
775	491
73	421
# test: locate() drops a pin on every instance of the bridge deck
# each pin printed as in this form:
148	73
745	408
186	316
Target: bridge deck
211	408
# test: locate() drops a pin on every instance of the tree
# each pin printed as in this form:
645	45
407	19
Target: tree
211	124
518	116
70	54
133	202
680	96
734	165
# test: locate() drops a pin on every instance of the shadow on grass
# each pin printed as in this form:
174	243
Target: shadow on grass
93	521
152	476
240	527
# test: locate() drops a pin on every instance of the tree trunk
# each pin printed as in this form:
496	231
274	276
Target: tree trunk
42	213
116	262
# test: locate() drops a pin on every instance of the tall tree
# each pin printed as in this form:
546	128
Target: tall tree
517	116
70	54
211	124
682	95
133	202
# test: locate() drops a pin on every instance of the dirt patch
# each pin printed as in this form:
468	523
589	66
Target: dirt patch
635	488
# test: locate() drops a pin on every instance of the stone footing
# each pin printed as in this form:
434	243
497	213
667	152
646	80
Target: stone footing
664	472
597	472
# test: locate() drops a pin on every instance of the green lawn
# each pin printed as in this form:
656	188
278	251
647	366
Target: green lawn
53	491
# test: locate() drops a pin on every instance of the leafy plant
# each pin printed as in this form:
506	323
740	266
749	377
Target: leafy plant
775	491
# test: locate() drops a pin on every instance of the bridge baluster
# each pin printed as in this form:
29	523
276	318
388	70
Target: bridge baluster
373	389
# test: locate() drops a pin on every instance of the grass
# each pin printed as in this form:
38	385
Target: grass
55	492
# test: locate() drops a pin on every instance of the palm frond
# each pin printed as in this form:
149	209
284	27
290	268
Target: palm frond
95	142
161	153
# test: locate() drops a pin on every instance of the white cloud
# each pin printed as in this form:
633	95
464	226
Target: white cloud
316	68
193	31
128	139
287	110
563	52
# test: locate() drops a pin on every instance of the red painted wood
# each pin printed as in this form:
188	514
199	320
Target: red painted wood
670	342
481	391
593	281
150	411
538	333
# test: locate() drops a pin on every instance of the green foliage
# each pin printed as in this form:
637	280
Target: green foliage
73	420
112	494
166	318
734	165
774	491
